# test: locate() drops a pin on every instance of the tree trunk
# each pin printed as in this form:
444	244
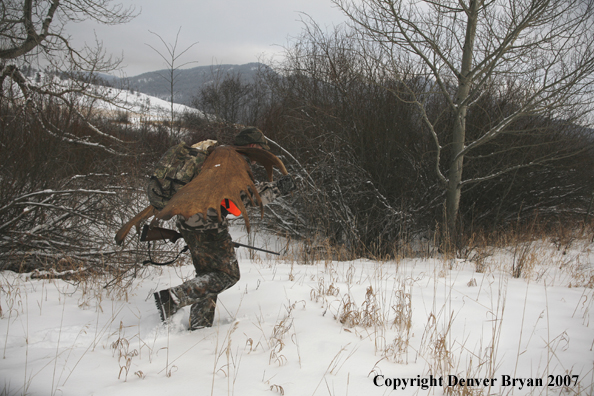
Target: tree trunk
453	189
460	106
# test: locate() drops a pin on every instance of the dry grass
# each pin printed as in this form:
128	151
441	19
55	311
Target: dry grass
530	257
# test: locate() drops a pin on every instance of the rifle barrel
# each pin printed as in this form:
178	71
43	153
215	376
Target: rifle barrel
158	234
237	244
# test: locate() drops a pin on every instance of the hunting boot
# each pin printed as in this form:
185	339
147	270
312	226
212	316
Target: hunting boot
202	313
165	304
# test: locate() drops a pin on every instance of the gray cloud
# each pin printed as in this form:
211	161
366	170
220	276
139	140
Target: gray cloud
226	31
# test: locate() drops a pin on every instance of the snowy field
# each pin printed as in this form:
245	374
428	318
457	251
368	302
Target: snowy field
136	106
139	107
407	327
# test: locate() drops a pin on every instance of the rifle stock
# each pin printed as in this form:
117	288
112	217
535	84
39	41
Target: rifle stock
159	234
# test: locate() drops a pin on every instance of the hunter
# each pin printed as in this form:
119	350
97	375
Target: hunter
210	245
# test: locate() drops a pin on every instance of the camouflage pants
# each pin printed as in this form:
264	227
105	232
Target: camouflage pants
214	259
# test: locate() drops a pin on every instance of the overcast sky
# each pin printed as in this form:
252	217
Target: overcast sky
226	31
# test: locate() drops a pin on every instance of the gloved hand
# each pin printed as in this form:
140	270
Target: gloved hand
286	184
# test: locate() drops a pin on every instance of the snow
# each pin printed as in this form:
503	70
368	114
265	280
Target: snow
324	328
141	107
138	106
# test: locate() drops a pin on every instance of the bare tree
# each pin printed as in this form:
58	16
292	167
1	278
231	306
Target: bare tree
172	68
363	183
60	167
226	96
541	50
33	35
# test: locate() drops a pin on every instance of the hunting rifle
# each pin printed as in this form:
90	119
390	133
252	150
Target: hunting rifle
158	234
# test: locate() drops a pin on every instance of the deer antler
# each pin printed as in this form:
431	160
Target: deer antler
225	174
263	157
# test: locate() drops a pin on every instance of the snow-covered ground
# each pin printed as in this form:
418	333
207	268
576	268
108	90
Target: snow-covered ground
412	326
139	107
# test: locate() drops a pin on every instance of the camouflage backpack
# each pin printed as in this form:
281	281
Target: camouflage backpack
176	168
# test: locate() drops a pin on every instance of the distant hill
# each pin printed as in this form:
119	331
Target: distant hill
188	81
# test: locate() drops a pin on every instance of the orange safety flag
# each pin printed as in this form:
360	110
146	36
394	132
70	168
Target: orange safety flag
230	206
